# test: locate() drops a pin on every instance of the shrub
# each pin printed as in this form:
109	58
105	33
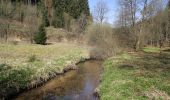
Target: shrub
103	39
40	37
14	42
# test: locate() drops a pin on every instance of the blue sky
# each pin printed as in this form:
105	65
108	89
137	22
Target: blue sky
113	8
112	5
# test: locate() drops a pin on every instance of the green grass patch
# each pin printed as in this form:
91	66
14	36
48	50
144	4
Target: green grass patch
136	77
151	49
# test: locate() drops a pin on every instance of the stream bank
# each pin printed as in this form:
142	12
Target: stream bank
73	85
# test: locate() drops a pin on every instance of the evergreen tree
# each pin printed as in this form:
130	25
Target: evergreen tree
44	12
84	7
77	7
59	6
40	37
74	8
45	19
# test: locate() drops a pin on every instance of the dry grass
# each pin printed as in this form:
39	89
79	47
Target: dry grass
27	65
104	39
60	35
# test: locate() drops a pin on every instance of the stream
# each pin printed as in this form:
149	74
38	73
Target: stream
73	85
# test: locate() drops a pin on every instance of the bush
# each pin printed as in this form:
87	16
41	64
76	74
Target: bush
40	37
103	39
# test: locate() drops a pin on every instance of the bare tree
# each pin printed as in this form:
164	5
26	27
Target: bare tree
31	21
49	6
6	10
133	10
146	21
128	18
140	34
100	11
122	22
128	11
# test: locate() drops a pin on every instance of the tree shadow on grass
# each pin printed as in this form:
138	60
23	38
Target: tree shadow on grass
167	50
148	62
126	66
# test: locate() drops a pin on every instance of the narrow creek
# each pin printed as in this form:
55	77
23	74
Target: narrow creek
73	85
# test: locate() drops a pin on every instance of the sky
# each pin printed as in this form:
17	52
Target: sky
112	5
113	9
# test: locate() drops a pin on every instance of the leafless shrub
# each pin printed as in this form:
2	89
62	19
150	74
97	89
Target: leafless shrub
103	39
77	28
14	42
67	21
31	21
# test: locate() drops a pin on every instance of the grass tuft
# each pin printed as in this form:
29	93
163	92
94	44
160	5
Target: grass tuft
32	58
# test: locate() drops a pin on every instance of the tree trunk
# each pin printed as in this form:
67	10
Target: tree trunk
6	33
138	43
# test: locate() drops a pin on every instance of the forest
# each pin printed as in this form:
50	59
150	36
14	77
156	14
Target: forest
70	50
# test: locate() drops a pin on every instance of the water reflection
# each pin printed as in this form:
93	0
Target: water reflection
74	85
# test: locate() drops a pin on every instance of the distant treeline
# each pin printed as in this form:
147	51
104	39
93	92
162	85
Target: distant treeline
74	8
26	1
71	15
57	10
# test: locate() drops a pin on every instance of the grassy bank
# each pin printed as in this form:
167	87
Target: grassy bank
25	66
137	76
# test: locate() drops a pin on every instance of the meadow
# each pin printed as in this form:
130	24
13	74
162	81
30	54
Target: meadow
137	76
26	66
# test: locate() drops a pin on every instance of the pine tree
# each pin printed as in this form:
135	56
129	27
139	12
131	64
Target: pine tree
59	6
45	19
44	12
75	8
84	7
40	37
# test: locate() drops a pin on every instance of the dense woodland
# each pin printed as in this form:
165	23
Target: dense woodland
71	15
146	21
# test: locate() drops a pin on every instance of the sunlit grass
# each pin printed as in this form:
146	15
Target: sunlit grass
24	66
136	77
151	49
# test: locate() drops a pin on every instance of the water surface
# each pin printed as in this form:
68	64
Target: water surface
73	85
